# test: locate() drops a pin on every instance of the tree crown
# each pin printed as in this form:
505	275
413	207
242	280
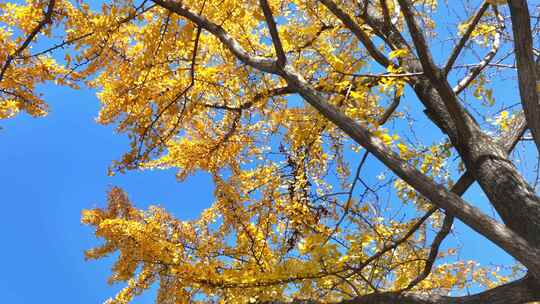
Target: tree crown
289	106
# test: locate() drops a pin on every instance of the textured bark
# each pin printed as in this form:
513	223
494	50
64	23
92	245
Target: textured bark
518	292
507	190
510	194
521	28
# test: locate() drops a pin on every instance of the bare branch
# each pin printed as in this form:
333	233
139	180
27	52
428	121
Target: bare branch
357	31
272	27
429	67
433	252
466	127
477	69
386	115
459	47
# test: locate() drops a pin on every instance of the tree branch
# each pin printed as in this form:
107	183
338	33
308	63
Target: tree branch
459	47
437	194
509	140
527	77
357	31
477	69
508	191
272	27
465	126
434	251
260	63
518	292
47	19
498	233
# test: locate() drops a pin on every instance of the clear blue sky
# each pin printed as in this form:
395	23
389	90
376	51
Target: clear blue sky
53	167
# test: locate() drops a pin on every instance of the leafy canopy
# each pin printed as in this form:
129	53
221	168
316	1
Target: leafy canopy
298	212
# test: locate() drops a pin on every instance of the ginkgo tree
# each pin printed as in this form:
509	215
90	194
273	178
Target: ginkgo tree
290	107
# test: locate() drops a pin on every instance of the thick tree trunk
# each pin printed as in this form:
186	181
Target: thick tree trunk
512	197
523	46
